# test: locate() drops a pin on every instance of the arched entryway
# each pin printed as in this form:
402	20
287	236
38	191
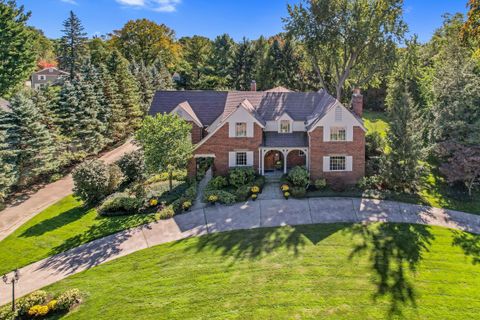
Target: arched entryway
295	158
273	161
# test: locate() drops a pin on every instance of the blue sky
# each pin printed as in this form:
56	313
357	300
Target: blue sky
239	18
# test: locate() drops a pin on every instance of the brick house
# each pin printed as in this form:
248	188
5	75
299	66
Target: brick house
272	131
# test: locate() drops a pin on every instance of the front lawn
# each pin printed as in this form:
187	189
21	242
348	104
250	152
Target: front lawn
336	271
62	226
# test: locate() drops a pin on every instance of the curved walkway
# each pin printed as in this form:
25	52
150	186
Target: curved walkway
249	215
17	214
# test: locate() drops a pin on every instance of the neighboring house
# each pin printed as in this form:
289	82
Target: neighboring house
4	105
47	76
272	130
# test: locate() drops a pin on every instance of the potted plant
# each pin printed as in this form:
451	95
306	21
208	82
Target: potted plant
254	196
286	195
187	205
278	165
213	198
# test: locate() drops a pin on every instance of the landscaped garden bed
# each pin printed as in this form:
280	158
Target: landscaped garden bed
240	184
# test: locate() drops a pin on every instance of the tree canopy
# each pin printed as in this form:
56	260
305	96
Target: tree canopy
17	57
349	42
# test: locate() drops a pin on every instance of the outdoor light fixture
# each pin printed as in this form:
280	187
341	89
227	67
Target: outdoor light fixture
12	281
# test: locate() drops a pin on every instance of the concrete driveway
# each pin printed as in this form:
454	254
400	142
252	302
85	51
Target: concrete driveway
14	215
249	215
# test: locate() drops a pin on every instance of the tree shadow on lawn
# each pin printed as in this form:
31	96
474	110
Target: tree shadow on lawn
257	243
469	243
395	251
57	221
83	251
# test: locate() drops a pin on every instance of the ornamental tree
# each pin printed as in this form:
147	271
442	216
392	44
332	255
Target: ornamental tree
166	143
462	164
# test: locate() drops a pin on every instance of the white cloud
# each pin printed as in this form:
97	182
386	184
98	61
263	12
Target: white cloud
69	1
155	5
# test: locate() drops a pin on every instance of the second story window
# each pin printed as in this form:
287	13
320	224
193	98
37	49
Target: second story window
42	77
338	134
284	126
241	129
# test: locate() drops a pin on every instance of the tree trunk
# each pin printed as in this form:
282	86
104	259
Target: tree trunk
170	180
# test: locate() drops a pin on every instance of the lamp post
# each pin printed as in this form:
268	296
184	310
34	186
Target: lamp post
12	281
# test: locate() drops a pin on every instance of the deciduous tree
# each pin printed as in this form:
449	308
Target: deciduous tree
349	42
165	140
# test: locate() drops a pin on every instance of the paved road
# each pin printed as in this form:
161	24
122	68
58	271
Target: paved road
15	215
249	215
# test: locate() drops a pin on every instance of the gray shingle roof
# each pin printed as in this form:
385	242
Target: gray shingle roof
209	105
288	140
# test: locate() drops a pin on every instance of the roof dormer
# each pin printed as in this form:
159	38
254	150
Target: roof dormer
285	123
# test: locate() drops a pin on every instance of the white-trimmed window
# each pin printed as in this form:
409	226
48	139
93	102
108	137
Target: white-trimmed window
42	77
241	159
240	129
338	163
338	134
284	126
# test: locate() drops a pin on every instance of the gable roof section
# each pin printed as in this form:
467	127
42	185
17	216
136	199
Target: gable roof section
55	72
185	106
279	89
207	105
213	107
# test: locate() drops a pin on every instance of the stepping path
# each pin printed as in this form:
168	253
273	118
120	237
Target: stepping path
17	214
248	215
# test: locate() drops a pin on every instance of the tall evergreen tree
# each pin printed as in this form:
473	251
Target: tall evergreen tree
161	77
72	45
402	165
222	59
244	65
273	68
8	173
17	58
145	83
127	89
117	120
33	145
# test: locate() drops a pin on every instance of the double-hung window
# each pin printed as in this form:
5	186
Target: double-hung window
241	159
338	134
285	126
241	129
338	163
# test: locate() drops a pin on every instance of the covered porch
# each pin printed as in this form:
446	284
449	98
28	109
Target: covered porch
282	151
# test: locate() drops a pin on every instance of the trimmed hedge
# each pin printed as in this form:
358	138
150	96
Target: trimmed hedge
120	204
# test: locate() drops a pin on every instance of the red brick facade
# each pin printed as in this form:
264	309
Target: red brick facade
355	148
220	144
197	132
294	158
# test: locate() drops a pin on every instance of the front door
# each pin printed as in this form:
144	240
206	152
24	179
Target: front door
271	159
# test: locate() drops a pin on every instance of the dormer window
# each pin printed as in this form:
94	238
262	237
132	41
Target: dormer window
240	129
285	126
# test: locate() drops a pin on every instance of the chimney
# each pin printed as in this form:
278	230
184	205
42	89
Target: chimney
253	86
357	102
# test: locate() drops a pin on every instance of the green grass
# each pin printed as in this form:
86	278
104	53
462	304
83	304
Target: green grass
337	271
62	226
434	190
